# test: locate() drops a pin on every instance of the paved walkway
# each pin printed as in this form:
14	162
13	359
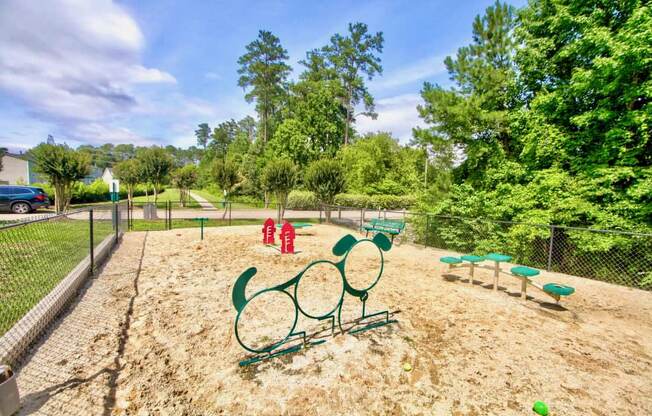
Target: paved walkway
202	202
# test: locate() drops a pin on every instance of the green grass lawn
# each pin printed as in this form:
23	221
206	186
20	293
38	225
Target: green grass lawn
36	257
216	200
158	225
170	194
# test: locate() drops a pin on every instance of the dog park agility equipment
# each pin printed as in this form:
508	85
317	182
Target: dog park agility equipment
269	230
290	291
525	274
287	238
202	221
377	225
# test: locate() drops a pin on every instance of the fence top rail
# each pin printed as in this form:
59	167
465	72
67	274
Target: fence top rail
562	227
32	220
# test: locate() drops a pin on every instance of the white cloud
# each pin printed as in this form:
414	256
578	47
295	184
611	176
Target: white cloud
75	63
396	114
416	71
212	76
98	133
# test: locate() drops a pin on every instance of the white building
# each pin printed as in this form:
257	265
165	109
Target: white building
18	170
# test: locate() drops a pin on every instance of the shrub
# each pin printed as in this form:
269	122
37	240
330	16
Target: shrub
375	201
302	200
279	177
325	178
97	191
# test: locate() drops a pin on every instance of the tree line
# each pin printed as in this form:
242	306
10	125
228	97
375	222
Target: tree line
547	121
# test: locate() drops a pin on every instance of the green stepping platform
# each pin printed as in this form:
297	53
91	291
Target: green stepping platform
472	258
450	260
497	257
524	271
558	289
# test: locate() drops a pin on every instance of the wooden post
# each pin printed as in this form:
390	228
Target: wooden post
471	273
552	239
523	288
496	271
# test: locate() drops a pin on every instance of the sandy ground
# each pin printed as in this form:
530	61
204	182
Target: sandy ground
473	351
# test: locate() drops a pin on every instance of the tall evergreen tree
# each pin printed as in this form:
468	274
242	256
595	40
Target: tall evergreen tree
349	59
475	114
263	69
203	134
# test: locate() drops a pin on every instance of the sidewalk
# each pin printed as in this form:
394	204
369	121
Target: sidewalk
202	202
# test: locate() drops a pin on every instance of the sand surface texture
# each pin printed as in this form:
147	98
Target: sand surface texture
473	351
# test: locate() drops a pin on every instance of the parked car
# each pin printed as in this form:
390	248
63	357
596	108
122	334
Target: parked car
22	199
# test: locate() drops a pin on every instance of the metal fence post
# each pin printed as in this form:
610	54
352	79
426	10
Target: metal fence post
425	242
230	208
320	221
339	212
117	221
552	239
92	244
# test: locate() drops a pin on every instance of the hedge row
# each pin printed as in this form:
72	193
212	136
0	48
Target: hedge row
307	200
97	191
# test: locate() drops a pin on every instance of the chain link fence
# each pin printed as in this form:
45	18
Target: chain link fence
619	257
44	261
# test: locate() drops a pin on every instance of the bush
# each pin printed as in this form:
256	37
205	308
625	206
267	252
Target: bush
98	191
375	201
325	178
302	200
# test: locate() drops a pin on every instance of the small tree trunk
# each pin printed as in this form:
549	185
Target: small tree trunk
266	198
155	194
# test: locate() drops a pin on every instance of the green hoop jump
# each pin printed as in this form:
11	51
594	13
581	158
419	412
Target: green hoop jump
343	247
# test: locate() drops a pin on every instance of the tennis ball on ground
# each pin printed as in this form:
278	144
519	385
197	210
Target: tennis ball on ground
407	367
540	408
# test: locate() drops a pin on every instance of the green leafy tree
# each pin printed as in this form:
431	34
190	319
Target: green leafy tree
225	175
378	164
349	59
156	164
223	135
128	172
291	142
62	166
263	69
184	178
585	71
475	114
325	178
279	177
203	134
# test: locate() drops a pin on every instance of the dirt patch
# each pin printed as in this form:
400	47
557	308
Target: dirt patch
472	350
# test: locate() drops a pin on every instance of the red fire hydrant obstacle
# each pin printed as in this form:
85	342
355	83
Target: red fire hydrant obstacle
287	238
269	229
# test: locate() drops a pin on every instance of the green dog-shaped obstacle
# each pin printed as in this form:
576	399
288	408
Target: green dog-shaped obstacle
344	247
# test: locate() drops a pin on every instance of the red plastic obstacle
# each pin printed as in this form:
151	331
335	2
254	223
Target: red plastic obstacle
287	238
269	229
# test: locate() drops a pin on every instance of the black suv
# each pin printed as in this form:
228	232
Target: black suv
22	199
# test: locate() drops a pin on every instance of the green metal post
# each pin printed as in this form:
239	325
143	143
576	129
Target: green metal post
115	216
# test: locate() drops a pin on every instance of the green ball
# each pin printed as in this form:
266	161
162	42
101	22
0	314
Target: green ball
540	408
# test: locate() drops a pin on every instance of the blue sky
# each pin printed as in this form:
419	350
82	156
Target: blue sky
148	71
